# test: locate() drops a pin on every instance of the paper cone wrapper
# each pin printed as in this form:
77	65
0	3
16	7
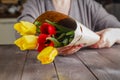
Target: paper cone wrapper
84	36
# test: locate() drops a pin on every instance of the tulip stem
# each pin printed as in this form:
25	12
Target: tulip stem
56	42
37	23
70	33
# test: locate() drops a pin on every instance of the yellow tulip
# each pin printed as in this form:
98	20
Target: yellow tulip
47	55
27	42
25	28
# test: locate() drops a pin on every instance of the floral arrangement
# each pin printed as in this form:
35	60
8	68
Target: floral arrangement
52	30
44	37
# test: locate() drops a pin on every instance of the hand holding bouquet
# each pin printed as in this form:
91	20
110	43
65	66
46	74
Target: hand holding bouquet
50	31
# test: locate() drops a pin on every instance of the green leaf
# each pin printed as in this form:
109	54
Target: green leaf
61	36
70	39
38	30
65	42
56	42
37	23
59	27
70	33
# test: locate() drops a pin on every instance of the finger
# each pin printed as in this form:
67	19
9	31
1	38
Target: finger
99	43
102	45
63	48
71	50
94	46
105	44
74	49
68	47
108	44
66	51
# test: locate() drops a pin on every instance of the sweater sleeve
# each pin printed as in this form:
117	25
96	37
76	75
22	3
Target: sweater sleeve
102	19
30	11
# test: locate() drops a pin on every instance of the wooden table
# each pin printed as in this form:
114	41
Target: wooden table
87	64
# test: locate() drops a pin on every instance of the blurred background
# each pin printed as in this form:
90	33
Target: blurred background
11	9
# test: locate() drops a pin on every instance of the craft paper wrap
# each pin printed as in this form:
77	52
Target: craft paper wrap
82	34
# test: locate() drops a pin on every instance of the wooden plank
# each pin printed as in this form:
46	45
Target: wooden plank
102	67
34	70
11	55
71	68
112	54
116	46
11	62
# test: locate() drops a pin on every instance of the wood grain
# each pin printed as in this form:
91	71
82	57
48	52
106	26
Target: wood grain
34	70
71	68
112	54
86	64
11	63
102	67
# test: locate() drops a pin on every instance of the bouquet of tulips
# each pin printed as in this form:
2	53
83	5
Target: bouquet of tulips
49	32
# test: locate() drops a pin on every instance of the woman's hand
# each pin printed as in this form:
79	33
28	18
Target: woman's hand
107	38
67	50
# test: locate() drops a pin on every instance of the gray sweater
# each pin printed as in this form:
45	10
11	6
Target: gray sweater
88	12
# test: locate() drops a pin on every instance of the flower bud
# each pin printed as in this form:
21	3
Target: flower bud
47	55
25	28
27	42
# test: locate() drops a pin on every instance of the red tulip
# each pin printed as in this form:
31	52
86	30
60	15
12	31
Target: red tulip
42	38
46	28
43	42
40	47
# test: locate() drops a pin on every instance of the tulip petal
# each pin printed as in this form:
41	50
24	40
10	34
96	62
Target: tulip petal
30	27
48	29
51	30
17	27
25	28
40	47
47	55
27	42
42	38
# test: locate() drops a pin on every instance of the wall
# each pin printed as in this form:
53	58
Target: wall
7	32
